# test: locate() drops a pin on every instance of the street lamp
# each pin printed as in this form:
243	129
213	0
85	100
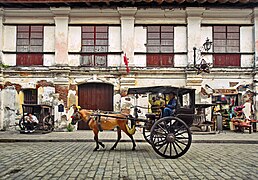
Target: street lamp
203	66
207	45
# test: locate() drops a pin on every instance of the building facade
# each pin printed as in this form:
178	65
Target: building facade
69	52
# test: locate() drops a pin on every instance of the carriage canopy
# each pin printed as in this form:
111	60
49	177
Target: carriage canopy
160	89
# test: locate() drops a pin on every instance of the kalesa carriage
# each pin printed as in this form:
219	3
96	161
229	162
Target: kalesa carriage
170	136
44	115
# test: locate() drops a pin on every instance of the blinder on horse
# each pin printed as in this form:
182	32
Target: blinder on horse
75	118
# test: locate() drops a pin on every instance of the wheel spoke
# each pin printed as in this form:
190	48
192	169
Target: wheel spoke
170	149
182	126
182	137
161	145
160	133
164	152
158	142
175	148
180	142
162	128
178	146
176	134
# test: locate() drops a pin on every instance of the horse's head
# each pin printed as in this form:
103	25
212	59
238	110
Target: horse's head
75	117
81	115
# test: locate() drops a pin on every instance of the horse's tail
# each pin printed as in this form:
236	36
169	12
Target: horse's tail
130	130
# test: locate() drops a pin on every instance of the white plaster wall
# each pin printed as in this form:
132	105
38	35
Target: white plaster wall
61	40
49	39
180	60
74	60
9	38
49	59
30	19
246	39
74	39
114	39
160	82
94	19
114	60
1	111
180	41
10	105
140	60
117	102
247	60
9	59
224	83
140	35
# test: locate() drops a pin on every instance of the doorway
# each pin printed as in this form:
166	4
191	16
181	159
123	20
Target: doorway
95	96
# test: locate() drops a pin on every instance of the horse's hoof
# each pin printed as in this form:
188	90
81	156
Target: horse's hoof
112	149
95	149
103	145
133	149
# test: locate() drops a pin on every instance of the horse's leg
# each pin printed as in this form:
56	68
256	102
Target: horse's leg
118	138
96	138
131	137
102	145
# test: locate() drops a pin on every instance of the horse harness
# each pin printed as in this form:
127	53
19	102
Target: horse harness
97	119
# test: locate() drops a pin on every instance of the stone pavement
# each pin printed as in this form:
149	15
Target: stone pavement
110	136
77	161
68	155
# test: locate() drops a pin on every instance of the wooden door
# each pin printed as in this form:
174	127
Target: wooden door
95	96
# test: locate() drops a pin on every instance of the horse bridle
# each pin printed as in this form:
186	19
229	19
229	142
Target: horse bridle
80	117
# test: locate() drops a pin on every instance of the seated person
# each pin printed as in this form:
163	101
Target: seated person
32	121
155	105
169	109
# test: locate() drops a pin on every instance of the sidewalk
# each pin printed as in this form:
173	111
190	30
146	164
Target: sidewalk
110	136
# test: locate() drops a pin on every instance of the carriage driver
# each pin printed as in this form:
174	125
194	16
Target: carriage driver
169	109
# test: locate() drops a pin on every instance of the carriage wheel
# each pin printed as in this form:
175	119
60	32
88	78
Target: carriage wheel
21	124
146	134
170	137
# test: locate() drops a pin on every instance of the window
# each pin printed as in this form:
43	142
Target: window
30	96
160	46
29	45
94	45
226	45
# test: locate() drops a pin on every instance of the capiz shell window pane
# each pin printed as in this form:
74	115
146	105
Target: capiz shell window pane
87	60
100	60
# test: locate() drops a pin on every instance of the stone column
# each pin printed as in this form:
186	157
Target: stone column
61	17
1	72
194	18
127	32
256	60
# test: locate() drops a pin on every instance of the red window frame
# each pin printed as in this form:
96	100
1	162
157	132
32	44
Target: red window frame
94	45
29	45
226	46
160	46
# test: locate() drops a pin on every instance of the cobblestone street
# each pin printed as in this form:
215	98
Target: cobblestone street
76	160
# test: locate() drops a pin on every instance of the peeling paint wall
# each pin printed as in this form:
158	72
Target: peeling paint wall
10	106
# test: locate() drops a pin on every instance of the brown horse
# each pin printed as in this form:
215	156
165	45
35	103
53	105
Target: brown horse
105	122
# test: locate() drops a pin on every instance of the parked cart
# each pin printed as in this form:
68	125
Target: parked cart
43	113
